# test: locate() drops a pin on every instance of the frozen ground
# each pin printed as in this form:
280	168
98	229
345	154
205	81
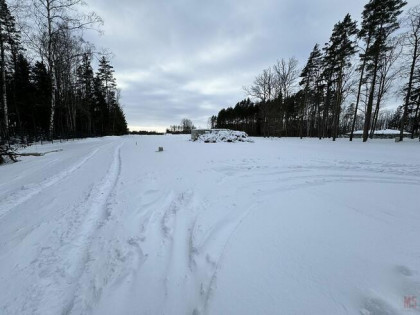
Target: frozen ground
279	226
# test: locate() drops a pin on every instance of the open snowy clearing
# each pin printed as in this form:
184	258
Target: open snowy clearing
279	226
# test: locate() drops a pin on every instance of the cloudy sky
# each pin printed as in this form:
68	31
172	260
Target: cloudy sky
179	59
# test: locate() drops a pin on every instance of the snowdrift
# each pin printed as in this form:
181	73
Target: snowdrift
214	136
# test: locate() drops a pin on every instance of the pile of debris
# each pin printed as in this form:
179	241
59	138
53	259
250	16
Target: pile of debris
7	154
213	136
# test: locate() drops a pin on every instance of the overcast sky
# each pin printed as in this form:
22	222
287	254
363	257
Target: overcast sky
179	59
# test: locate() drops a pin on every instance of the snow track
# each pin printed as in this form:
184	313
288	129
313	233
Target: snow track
109	226
28	191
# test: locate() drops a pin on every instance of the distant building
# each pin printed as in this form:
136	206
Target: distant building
380	134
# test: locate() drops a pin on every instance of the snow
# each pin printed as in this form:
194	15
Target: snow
382	132
278	226
214	136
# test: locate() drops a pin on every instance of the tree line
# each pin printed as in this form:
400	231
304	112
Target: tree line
344	85
49	88
185	127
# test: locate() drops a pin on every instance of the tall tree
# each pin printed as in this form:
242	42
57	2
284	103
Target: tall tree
310	78
85	91
340	49
286	73
7	36
51	16
415	103
380	20
264	87
388	72
108	84
413	42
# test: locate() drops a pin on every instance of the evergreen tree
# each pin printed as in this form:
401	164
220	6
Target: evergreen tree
41	102
7	36
413	41
85	91
341	48
380	20
310	78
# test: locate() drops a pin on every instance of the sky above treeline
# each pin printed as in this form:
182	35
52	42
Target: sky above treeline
179	59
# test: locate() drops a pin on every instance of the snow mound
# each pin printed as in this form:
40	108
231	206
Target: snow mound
224	136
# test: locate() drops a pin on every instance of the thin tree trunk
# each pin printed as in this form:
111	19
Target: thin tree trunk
408	95
338	105
375	119
51	69
326	110
359	91
370	101
4	91
416	120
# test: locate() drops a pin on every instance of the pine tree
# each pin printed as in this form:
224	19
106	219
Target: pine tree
414	45
310	77
85	90
380	20
338	52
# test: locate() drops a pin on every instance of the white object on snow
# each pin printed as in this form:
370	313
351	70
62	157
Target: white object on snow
223	135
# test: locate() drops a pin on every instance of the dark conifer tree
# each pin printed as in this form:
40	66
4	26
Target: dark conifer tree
380	20
7	34
310	78
341	47
85	94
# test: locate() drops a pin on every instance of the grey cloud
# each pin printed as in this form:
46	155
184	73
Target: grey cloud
186	58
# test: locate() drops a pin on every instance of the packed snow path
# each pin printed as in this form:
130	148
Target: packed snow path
279	226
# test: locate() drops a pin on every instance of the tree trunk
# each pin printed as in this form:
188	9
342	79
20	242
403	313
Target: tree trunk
359	91
416	120
318	112
339	101
4	91
408	95
51	69
370	101
326	110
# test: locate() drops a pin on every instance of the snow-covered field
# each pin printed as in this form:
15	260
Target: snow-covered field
278	226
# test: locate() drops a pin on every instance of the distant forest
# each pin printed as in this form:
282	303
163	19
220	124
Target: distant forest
343	86
48	85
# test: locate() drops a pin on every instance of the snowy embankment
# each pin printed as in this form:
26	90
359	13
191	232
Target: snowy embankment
279	226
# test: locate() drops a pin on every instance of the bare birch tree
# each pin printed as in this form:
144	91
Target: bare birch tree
50	17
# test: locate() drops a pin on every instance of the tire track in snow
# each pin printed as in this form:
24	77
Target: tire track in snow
165	236
17	198
286	180
85	290
218	264
113	257
63	256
